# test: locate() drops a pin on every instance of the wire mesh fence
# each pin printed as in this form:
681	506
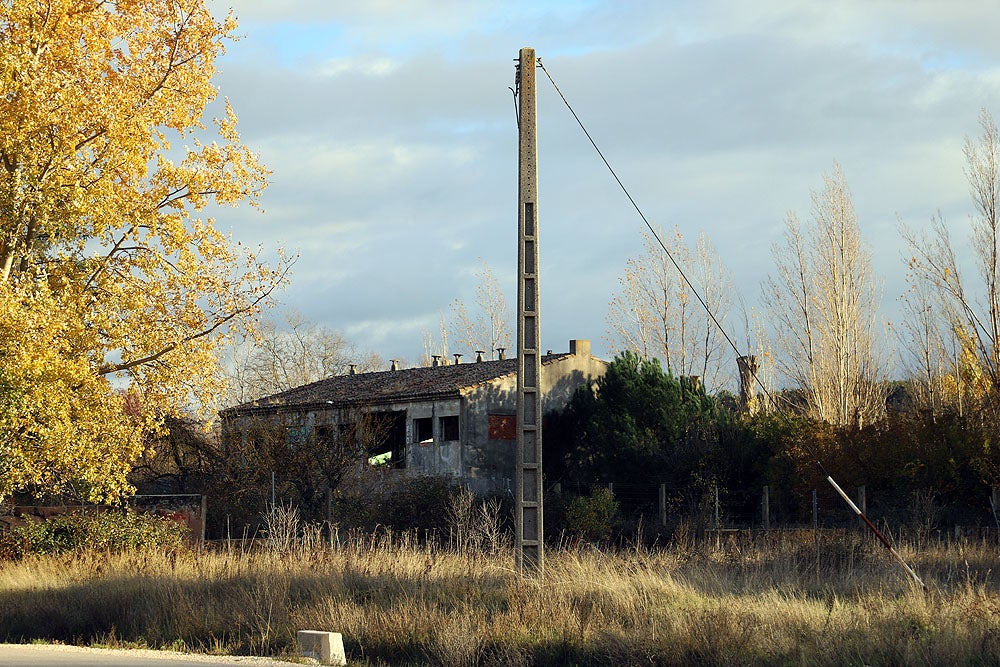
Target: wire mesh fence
707	507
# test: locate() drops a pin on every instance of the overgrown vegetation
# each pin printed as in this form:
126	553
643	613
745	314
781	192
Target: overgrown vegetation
771	599
642	427
591	517
112	531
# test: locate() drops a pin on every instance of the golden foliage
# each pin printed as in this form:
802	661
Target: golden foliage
107	269
973	382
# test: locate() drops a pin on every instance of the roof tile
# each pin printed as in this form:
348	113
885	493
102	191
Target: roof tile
382	387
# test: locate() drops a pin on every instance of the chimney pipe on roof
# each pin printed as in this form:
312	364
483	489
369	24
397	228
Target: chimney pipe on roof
458	358
436	360
501	353
479	355
395	364
353	369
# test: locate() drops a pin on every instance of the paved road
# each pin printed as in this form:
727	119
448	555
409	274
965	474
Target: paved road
43	655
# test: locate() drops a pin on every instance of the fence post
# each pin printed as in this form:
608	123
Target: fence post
716	489
862	503
995	507
204	517
718	535
663	505
766	508
816	530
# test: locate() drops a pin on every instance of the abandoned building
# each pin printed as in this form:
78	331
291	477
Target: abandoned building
456	419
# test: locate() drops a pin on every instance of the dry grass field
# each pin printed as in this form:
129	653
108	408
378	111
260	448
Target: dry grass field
781	599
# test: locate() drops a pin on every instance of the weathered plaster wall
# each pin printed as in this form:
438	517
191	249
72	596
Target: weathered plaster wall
489	464
560	378
485	465
438	457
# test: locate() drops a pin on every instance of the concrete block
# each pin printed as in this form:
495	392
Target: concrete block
327	647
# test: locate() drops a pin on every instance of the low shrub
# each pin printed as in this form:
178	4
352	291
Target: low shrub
592	517
123	530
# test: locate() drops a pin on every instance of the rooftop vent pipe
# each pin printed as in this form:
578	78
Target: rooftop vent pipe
395	364
458	358
353	369
436	360
479	355
501	353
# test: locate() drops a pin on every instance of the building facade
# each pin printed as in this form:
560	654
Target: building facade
456	420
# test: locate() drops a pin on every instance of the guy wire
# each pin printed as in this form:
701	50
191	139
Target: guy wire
656	236
829	478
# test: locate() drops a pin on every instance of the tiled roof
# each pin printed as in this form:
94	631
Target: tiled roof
382	387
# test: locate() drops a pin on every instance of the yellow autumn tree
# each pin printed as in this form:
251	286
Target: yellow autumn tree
116	290
965	295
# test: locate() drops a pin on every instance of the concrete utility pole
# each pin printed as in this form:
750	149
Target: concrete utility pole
528	510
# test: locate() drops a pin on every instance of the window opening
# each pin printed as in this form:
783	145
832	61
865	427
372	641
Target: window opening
390	449
449	428
423	430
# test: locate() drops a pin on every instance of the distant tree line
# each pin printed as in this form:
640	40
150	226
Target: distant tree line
643	426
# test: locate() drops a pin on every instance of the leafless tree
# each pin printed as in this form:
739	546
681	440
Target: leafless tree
823	302
928	346
307	459
656	315
486	328
436	346
296	353
489	328
969	311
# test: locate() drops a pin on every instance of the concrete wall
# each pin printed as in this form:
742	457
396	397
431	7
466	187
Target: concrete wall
437	456
562	377
489	463
484	463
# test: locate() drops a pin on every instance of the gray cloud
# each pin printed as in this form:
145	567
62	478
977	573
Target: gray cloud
390	131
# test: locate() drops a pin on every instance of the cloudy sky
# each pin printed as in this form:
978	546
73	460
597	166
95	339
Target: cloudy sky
390	130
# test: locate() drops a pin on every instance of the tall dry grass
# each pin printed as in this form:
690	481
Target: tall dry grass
746	600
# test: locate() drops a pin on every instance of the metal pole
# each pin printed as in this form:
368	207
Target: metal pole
528	498
876	531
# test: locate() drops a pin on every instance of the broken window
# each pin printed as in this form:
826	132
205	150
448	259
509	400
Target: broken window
448	427
390	448
296	436
423	430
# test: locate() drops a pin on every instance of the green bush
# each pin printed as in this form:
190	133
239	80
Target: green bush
109	530
592	517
